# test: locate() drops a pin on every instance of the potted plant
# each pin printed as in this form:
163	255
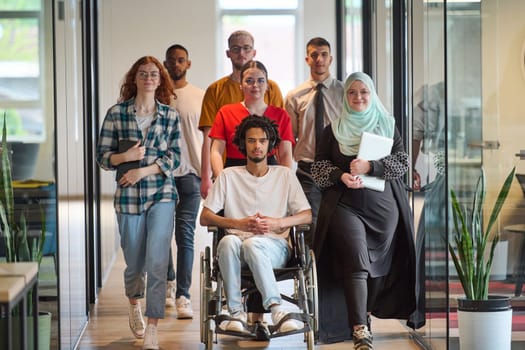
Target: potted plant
485	321
17	245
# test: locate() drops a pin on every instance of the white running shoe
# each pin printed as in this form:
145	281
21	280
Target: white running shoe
151	342
184	309
170	293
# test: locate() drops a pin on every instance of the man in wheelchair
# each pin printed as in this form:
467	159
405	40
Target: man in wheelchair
261	203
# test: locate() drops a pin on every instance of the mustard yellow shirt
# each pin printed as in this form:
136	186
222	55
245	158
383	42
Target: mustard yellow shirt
225	91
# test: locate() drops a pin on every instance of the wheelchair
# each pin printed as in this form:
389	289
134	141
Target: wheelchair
300	268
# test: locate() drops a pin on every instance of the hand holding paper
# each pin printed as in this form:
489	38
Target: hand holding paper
374	147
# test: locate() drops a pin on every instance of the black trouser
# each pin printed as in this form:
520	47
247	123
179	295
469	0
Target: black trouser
347	241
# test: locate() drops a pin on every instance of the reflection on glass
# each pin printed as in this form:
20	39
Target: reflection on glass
20	79
258	4
26	98
282	27
353	36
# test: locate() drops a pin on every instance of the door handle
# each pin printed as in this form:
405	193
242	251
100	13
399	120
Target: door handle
484	144
521	154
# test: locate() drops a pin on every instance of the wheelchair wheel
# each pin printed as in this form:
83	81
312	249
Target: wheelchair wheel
311	292
206	292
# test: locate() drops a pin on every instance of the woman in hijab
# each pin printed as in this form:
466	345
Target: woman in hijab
364	239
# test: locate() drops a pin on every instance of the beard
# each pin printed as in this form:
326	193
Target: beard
177	76
256	159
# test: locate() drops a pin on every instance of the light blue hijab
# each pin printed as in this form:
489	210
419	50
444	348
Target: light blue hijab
349	127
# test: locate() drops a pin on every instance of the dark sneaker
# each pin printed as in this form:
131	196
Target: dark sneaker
362	339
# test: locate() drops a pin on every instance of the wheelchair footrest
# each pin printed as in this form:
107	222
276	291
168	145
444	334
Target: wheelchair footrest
262	331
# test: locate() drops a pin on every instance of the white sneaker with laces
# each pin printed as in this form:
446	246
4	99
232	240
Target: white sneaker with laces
170	293
184	309
288	325
136	322
237	326
151	342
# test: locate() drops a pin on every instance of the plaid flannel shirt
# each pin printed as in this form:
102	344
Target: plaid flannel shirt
162	148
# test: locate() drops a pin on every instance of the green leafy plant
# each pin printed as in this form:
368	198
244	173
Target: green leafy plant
18	246
470	242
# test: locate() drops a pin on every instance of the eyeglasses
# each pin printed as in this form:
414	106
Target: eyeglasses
145	75
258	81
245	48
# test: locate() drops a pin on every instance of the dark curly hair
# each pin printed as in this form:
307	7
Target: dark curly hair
255	121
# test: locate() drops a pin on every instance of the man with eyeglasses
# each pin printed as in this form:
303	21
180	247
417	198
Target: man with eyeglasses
187	101
320	98
227	90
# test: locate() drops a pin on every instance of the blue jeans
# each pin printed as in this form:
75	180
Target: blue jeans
261	254
188	188
145	240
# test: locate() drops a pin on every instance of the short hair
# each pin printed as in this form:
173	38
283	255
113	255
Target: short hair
176	47
239	33
254	64
255	121
318	41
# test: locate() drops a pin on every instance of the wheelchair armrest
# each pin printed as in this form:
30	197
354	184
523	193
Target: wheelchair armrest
215	240
213	229
302	227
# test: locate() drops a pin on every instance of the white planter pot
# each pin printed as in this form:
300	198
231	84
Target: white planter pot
485	324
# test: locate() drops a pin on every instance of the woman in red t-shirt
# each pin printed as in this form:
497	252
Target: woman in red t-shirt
254	82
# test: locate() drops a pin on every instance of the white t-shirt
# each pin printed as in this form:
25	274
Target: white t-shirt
276	194
188	103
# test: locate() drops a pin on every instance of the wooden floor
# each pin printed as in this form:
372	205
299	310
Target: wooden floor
108	324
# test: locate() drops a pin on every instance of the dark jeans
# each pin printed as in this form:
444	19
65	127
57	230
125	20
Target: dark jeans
188	188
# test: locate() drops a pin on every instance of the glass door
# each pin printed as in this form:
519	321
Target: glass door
502	90
466	72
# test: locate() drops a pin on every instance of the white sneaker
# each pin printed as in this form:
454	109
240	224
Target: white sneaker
288	325
151	342
237	326
184	309
136	322
170	293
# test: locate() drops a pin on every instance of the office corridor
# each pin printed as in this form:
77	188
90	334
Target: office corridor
108	324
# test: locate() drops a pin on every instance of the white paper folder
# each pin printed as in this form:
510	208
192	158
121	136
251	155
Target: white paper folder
374	147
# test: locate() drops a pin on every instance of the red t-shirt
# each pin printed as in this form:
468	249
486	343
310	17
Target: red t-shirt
231	115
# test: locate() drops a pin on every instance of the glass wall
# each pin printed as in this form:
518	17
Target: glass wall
428	159
465	77
255	17
465	74
27	102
